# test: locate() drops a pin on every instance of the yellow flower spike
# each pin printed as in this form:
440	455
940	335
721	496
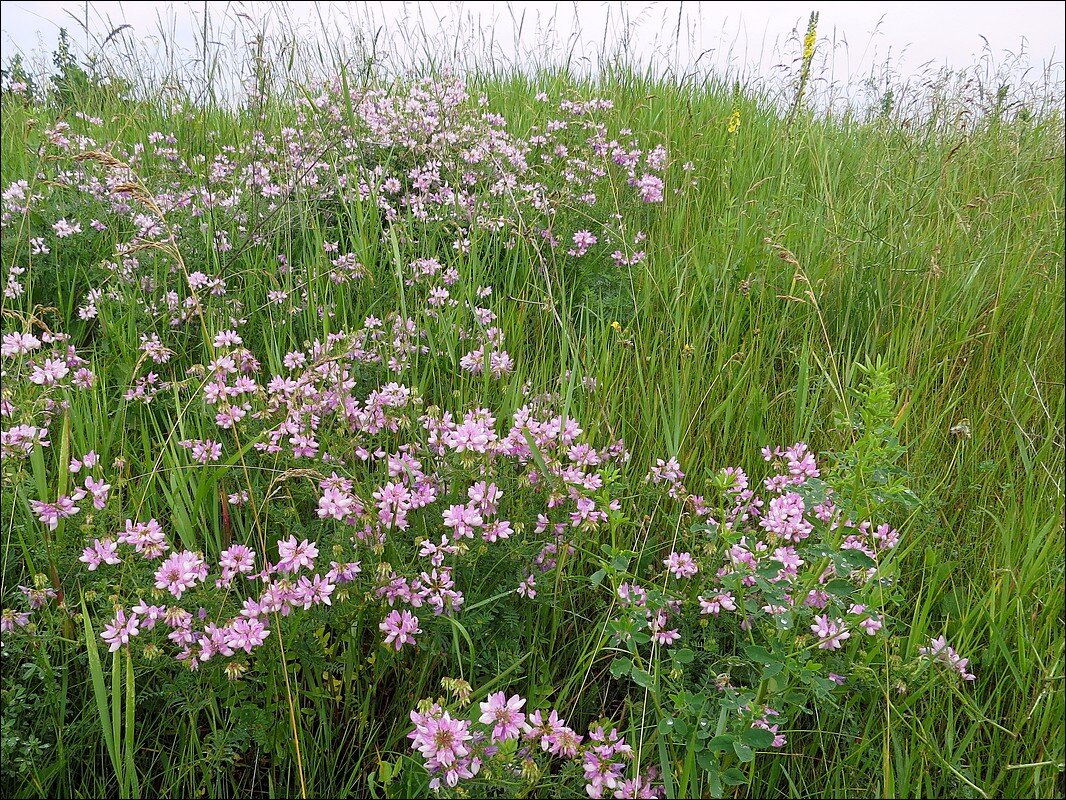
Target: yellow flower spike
811	37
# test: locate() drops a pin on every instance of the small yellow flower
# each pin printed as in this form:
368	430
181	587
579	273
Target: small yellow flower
617	326
734	121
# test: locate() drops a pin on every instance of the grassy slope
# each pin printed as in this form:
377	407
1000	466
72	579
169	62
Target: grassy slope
941	255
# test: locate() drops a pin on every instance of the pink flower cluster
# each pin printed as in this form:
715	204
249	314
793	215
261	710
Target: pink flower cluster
455	749
769	567
182	571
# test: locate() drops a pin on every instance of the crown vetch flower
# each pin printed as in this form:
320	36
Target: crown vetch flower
505	715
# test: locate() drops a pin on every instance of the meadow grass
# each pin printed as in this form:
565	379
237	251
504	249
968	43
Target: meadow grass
809	245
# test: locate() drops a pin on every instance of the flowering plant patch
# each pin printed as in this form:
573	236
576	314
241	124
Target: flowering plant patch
275	429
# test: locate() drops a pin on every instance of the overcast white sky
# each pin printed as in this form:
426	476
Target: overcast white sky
741	34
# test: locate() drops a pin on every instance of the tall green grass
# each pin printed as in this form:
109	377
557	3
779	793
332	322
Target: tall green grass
807	246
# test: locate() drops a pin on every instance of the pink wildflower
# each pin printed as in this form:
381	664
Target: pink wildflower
400	628
831	634
681	565
505	715
120	630
100	552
